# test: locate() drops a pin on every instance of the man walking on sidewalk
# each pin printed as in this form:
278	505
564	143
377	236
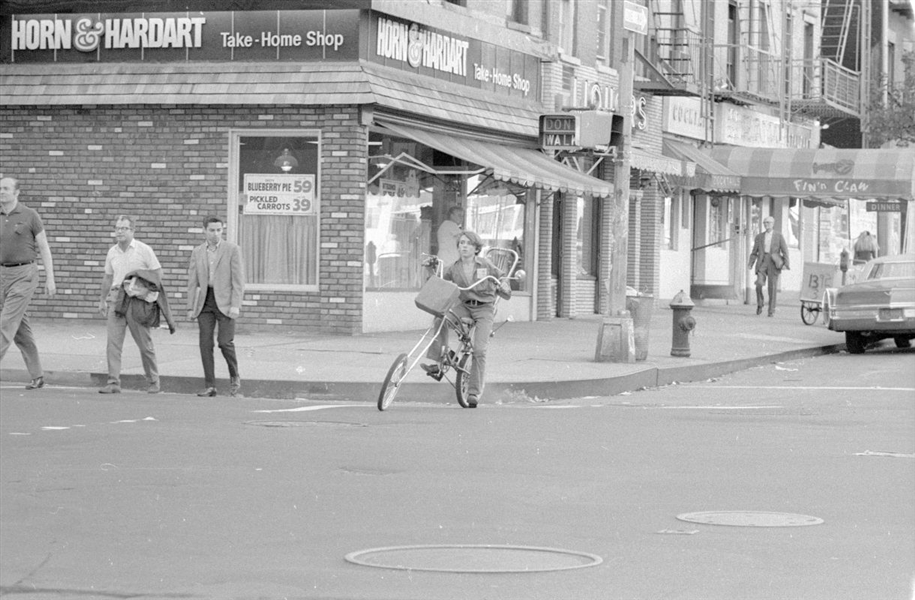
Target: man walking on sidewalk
770	253
125	257
22	237
215	288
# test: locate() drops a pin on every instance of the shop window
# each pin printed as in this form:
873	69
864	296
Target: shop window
411	191
686	204
497	213
278	207
399	216
793	233
670	222
587	223
718	219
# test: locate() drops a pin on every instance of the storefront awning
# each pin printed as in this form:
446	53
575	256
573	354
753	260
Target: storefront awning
711	176
267	84
644	161
823	173
522	166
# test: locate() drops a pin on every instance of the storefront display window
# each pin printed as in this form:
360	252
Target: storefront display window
670	222
718	219
792	233
586	236
497	214
278	208
410	190
398	232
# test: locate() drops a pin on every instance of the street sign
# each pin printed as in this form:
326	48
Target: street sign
884	207
559	132
635	18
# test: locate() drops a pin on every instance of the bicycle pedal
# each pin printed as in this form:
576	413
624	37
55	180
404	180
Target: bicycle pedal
433	371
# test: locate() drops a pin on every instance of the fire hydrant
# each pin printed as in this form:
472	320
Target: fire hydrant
684	323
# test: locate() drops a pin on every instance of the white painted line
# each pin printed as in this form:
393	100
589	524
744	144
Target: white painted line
891	454
875	388
712	407
309	408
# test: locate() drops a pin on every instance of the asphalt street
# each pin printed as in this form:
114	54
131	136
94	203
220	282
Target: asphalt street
169	496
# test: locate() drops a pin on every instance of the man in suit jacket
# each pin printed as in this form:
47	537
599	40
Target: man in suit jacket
215	288
770	254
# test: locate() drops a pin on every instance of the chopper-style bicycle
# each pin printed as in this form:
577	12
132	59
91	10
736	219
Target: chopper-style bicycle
458	356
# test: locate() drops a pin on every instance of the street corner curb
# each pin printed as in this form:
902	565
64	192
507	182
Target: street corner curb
689	373
541	391
59	378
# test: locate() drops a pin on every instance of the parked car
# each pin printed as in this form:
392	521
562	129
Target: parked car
879	305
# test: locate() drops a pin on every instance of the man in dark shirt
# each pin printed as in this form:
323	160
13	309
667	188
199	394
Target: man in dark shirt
22	238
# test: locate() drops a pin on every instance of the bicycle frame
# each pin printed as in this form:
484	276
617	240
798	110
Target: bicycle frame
464	330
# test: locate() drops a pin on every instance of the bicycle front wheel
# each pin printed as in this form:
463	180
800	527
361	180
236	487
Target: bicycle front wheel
462	380
392	381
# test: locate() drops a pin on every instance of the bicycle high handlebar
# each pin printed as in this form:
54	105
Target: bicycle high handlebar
436	264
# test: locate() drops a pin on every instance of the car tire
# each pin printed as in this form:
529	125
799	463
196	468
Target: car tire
855	342
902	341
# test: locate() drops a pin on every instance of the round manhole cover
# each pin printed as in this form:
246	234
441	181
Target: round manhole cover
473	559
742	518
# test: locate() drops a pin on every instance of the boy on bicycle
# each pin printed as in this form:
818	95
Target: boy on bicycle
477	303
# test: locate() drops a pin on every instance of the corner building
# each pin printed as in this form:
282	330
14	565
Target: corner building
333	140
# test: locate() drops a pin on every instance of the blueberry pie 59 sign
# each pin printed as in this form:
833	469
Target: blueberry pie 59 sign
279	195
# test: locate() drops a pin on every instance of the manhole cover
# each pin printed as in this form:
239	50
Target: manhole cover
742	518
473	559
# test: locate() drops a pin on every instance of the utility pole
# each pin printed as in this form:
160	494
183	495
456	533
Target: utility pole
616	337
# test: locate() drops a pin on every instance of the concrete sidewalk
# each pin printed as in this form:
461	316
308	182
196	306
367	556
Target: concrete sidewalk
527	361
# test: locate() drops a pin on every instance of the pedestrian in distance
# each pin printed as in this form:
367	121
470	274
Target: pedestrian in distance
215	288
447	235
477	303
866	248
22	239
770	255
132	297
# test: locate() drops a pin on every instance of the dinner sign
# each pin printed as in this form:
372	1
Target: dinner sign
279	194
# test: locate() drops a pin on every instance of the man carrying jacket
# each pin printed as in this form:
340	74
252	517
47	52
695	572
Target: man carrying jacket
126	257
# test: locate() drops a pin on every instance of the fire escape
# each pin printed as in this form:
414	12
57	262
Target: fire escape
829	87
754	65
673	53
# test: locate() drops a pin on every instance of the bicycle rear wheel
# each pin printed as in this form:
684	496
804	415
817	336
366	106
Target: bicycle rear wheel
462	379
392	381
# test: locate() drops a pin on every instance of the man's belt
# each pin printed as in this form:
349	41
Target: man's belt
472	302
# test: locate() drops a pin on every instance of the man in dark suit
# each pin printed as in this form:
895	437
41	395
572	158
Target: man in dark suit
215	288
770	254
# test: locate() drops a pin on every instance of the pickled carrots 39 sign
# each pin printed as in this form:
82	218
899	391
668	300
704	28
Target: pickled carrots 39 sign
280	195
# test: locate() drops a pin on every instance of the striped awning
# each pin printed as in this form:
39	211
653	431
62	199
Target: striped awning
835	173
655	163
523	166
711	175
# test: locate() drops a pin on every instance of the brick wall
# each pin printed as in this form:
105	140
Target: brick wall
80	167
